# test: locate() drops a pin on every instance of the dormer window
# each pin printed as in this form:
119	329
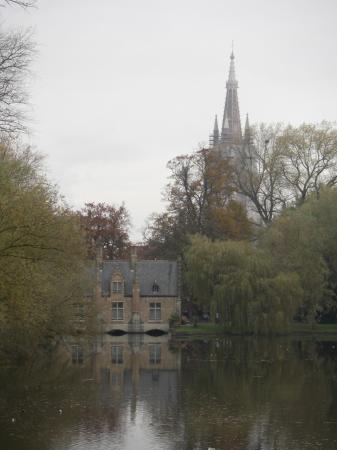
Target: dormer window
155	287
117	287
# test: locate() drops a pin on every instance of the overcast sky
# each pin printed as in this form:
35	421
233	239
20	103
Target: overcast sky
123	86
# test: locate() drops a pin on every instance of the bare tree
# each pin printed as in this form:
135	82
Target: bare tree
283	165
258	173
309	158
16	51
23	4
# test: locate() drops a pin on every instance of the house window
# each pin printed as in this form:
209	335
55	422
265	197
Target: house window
155	287
117	287
155	311
76	354
154	354
116	354
117	311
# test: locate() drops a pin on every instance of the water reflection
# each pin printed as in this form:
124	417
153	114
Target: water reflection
142	392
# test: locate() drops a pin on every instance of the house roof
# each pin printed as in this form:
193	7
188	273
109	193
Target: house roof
162	272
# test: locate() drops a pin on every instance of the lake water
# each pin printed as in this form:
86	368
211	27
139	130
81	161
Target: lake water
149	393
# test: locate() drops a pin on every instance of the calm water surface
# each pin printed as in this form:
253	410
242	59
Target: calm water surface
142	392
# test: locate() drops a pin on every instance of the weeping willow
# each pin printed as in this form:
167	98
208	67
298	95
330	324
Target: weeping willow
238	282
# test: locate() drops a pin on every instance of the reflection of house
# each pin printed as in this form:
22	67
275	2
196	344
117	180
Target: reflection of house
128	359
137	296
141	370
117	384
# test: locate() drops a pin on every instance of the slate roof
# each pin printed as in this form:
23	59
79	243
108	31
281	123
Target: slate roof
164	273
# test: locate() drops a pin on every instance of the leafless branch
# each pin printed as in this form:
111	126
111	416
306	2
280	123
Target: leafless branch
16	52
21	3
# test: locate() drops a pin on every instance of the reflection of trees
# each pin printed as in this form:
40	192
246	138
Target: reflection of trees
52	398
99	398
231	394
257	394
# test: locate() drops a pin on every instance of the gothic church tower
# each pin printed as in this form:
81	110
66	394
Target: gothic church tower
229	141
230	137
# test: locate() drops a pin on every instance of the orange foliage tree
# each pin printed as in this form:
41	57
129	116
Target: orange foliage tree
200	196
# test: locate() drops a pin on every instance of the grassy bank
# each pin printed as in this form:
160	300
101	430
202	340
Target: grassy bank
317	328
199	329
204	329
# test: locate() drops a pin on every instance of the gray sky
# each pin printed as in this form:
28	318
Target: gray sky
122	86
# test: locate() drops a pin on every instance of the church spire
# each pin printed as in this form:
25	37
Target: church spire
231	124
247	136
214	138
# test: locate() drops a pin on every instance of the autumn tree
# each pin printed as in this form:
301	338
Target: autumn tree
200	200
107	226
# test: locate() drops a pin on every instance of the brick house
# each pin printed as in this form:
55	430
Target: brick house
137	296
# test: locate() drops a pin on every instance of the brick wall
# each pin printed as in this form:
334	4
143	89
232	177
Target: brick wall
169	306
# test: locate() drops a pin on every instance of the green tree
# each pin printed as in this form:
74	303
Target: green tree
41	253
239	282
303	240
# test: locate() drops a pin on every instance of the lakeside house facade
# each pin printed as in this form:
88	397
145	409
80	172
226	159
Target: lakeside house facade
137	296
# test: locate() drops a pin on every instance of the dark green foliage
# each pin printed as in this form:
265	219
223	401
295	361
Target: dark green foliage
239	282
291	272
304	241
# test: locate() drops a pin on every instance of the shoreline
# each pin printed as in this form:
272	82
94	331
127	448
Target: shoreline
215	330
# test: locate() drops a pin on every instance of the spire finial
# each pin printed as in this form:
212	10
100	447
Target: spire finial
232	54
231	77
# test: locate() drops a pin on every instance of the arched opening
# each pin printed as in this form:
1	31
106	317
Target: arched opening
156	332
116	332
